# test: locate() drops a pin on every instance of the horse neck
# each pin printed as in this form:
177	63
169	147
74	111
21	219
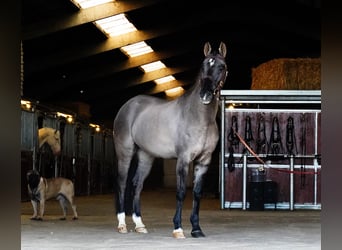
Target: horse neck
198	111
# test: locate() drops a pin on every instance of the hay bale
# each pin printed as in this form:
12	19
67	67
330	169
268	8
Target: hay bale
288	73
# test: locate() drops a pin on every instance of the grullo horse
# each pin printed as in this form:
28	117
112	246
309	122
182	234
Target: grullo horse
184	129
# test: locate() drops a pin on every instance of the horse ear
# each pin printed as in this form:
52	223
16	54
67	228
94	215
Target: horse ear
57	134
223	49
207	48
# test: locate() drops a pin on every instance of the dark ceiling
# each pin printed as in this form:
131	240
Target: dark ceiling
67	59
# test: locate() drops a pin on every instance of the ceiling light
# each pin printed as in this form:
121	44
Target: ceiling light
115	25
83	4
165	79
68	117
95	126
136	49
231	106
174	92
26	104
152	66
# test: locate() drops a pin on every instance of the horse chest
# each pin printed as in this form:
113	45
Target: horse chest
198	140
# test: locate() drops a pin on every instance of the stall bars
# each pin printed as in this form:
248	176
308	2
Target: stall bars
266	97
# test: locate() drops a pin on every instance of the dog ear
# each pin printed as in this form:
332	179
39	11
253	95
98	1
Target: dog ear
28	174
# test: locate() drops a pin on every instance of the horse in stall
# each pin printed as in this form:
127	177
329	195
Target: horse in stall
50	136
184	128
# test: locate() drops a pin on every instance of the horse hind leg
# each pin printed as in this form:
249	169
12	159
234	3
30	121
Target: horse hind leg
123	167
124	155
145	162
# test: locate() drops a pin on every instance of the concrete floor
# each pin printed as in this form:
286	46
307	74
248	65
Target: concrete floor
224	229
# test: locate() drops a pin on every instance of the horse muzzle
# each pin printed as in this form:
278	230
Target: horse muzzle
207	98
56	152
207	93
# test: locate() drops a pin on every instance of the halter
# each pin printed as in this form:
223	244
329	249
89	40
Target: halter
224	76
221	83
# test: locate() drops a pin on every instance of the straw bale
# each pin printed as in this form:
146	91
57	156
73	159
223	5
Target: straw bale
288	73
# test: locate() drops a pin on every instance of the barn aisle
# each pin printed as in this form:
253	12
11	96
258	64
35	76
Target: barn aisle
224	229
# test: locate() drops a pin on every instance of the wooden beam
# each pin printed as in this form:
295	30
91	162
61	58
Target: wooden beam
68	56
45	27
111	88
90	74
73	54
107	88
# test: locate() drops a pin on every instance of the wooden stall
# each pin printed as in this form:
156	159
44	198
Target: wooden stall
87	155
271	149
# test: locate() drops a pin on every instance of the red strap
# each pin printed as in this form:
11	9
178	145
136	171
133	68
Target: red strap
261	161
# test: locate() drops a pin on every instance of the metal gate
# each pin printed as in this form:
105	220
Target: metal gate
290	158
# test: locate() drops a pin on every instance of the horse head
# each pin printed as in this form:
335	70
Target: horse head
213	72
52	137
56	145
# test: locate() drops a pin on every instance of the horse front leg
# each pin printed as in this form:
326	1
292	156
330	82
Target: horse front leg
200	170
182	169
145	162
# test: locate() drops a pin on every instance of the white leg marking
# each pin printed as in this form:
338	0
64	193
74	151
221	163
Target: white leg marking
178	233
122	228
139	225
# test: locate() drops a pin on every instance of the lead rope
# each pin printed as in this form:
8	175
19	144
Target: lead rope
261	168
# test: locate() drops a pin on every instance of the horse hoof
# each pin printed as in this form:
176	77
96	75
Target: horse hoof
63	218
178	234
36	218
75	218
141	230
197	234
122	229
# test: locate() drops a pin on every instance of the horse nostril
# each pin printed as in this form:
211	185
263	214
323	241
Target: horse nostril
206	97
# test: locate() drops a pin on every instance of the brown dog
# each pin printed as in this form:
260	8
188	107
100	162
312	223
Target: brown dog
42	189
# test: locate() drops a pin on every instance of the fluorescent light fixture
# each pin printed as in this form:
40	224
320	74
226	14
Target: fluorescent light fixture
83	4
152	66
136	49
68	117
26	104
174	92
231	106
165	79
95	126
115	25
